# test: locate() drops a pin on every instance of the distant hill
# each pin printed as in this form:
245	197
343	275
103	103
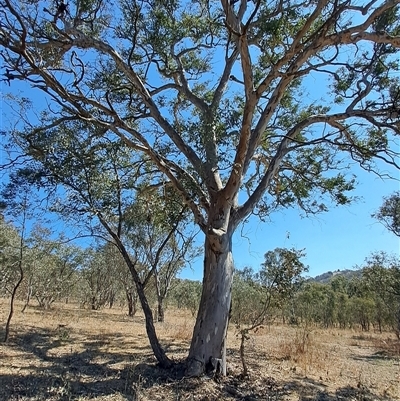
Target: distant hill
327	277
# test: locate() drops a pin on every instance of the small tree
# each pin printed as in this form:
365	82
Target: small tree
99	277
282	272
278	280
9	256
156	226
99	184
52	265
11	264
17	201
308	304
389	213
186	294
124	281
381	269
382	273
339	285
247	297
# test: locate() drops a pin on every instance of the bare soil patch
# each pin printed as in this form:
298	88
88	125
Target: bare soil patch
68	353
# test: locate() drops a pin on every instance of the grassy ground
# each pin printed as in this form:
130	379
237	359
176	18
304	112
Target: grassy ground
69	353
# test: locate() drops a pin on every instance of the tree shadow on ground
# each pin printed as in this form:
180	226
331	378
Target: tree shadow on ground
53	370
94	373
311	390
377	357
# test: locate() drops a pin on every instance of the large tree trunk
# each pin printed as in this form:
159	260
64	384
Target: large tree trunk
208	347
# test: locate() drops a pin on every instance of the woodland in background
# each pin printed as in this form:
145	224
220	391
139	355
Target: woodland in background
367	298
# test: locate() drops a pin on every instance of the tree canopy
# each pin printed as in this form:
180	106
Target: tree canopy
389	213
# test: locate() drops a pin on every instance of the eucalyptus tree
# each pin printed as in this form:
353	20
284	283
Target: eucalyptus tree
186	294
52	266
11	266
120	278
282	273
98	279
389	213
9	247
215	95
250	305
256	294
156	225
106	192
382	273
17	200
106	276
247	298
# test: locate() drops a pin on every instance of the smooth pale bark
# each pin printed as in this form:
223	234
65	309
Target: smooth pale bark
208	347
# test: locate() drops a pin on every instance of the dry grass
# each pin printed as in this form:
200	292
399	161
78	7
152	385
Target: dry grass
69	353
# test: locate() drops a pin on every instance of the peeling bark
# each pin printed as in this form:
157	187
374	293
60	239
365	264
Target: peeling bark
209	335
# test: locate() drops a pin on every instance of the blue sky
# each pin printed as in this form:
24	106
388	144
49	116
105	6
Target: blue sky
339	239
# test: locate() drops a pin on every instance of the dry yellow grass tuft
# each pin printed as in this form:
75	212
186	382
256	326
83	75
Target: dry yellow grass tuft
68	353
